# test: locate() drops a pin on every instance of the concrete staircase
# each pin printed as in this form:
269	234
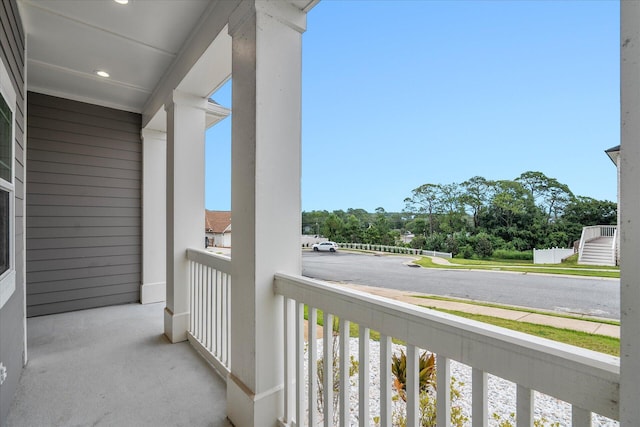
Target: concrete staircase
598	251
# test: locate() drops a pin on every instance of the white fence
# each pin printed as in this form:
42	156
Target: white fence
394	249
551	256
587	380
210	304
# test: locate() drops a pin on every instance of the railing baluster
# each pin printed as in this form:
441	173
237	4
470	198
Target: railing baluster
345	363
524	407
218	329
327	364
385	381
214	310
300	383
363	379
207	307
443	382
191	297
199	304
412	382
480	402
312	321
580	417
289	359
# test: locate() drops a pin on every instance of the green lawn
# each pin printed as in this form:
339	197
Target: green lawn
600	343
520	309
524	267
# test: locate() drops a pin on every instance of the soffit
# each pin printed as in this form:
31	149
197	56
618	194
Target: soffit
68	40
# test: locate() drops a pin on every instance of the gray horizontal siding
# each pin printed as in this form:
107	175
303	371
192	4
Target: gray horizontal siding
12	55
83	206
82	304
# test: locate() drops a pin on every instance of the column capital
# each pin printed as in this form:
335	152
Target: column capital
285	12
186	99
153	134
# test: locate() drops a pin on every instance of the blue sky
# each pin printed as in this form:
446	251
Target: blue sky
397	94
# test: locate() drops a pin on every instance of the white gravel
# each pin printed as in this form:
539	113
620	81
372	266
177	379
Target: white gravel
501	394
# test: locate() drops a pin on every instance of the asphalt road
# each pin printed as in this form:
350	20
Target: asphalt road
596	297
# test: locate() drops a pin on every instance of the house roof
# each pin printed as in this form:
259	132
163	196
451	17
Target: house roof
613	152
217	221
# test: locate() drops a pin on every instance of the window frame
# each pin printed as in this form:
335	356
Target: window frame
8	278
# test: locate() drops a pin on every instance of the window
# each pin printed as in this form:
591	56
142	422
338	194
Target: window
7	189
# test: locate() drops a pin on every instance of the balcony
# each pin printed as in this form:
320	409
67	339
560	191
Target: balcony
113	364
586	380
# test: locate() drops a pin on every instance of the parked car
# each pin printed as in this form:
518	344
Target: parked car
326	246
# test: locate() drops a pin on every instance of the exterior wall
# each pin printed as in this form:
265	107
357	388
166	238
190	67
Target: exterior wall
84	233
12	324
220	240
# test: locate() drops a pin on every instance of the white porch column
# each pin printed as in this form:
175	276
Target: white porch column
185	203
630	215
265	200
154	184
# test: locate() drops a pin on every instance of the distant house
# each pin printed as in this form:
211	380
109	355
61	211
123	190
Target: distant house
217	228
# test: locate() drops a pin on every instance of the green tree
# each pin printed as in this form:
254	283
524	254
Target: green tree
476	193
353	229
510	201
551	196
425	200
332	228
452	208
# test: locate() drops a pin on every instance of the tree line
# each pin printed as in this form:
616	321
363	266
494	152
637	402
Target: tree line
472	218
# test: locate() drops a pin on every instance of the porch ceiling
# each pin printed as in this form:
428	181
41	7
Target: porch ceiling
137	43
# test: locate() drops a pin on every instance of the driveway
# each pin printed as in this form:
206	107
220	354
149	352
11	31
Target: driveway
589	296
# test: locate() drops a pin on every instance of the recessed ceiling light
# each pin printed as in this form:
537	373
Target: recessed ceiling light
102	73
122	1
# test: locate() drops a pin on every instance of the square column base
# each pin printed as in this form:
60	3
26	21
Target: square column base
175	325
245	408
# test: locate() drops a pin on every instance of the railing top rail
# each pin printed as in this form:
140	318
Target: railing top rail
582	377
219	262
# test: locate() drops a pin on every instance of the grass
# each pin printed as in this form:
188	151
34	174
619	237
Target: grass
523	267
600	343
520	309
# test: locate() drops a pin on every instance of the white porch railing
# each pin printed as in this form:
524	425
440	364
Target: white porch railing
585	379
210	301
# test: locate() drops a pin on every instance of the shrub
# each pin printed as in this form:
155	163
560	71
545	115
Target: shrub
451	245
466	251
484	248
517	255
427	390
426	367
418	242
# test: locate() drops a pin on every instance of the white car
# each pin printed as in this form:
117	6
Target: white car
326	246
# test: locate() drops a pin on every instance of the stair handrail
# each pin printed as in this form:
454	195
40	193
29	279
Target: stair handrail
588	233
593	232
614	247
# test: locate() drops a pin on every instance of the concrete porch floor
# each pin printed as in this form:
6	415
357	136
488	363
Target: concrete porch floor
112	366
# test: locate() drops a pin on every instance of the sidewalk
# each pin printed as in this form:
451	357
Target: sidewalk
592	327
